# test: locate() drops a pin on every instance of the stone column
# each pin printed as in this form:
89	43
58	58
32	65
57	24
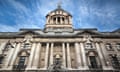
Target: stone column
17	49
51	54
11	53
100	54
68	56
77	50
64	57
83	56
51	20
48	20
107	66
61	22
56	20
31	57
66	20
37	55
3	45
46	56
70	20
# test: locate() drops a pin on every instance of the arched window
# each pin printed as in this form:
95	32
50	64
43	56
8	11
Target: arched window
92	59
62	18
54	19
58	19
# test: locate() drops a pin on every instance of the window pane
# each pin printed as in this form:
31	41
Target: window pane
109	47
88	45
26	46
93	62
22	60
118	46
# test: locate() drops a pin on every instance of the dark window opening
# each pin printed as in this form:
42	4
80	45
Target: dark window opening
54	19
93	62
62	19
1	59
22	60
58	19
115	62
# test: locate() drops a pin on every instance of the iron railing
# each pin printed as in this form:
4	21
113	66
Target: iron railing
19	67
97	67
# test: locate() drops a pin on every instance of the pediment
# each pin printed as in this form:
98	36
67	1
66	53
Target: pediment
88	33
28	32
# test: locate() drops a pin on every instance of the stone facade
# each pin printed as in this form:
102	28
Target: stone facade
59	48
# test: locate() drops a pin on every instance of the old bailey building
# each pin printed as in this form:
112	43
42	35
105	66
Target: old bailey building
60	48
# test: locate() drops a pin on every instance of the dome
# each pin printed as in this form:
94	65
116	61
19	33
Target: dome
58	20
59	11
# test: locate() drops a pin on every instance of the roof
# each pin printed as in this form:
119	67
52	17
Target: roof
76	33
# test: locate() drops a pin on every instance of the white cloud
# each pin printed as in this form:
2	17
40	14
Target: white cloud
19	6
28	18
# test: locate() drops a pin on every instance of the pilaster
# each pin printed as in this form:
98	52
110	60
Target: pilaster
37	55
32	54
78	59
68	57
64	55
85	66
46	56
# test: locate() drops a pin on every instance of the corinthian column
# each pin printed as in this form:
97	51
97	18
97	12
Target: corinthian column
48	20
70	21
66	20
68	56
61	22
2	46
77	50
31	57
107	66
83	56
64	58
15	54
11	53
51	54
37	55
46	56
100	54
56	20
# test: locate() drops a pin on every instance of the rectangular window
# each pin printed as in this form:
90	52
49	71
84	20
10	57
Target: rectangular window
88	46
109	46
26	46
118	46
22	60
115	62
93	62
1	59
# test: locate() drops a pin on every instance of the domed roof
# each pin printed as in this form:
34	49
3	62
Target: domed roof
59	9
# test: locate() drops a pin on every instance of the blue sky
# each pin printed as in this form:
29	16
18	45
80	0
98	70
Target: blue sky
101	14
